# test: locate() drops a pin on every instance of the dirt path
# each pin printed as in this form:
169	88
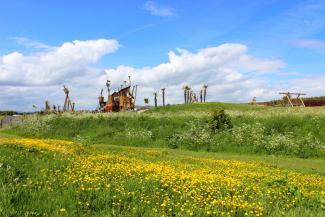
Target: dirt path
143	110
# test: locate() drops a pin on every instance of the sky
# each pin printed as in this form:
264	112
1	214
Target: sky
241	49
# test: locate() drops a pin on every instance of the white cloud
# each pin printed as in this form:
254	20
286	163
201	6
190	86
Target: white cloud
231	73
71	59
310	43
157	10
313	86
31	79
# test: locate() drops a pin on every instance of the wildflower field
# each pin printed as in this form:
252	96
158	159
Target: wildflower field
60	178
54	166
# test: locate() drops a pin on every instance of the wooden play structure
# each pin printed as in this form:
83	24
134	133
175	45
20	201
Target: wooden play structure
119	101
68	105
293	99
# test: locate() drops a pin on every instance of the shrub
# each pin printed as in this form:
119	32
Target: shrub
308	146
196	137
219	120
280	144
250	136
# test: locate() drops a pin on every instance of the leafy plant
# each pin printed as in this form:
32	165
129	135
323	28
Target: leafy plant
195	137
219	120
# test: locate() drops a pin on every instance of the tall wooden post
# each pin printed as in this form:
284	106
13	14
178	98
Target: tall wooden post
185	94
163	95
129	80
155	94
188	95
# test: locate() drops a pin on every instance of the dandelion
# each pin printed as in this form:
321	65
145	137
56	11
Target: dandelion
187	186
63	210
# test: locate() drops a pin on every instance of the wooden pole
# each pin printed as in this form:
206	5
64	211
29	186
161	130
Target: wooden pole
163	95
155	94
185	94
302	102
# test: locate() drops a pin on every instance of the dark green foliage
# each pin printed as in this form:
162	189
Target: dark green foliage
8	113
20	178
219	120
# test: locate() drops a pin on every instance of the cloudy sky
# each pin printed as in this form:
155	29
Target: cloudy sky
241	49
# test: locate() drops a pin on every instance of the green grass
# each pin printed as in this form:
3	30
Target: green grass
308	166
32	181
277	138
21	190
257	129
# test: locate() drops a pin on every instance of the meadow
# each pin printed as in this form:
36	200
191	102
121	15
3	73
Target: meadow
166	162
256	130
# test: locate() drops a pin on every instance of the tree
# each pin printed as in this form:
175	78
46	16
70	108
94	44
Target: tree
185	88
205	91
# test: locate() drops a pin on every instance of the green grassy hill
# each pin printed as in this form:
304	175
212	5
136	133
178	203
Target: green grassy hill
184	167
256	129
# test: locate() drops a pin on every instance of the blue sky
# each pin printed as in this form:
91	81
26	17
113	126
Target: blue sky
290	31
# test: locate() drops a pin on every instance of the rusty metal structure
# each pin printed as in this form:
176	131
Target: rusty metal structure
119	101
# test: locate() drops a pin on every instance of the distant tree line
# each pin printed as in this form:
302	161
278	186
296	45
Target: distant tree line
309	101
8	113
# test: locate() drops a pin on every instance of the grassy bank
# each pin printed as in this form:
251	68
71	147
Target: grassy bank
256	130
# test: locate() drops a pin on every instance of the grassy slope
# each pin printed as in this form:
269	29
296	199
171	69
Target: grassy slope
22	165
155	127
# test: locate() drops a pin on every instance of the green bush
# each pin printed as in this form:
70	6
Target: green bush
219	120
196	137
